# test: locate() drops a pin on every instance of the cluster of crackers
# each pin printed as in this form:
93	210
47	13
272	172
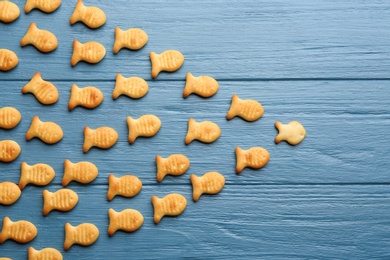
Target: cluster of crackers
105	137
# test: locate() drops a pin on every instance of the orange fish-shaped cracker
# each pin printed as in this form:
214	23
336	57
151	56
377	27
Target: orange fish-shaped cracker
48	132
9	150
9	11
209	183
83	172
175	164
8	60
43	40
206	131
128	220
9	193
170	60
133	87
44	91
44	254
91	16
103	137
249	109
145	126
84	234
89	97
171	205
61	200
255	158
39	174
21	231
133	39
9	117
203	86
126	186
46	6
293	132
91	52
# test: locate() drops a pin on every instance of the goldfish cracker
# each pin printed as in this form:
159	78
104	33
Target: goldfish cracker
133	87
133	39
84	234
175	164
249	110
9	150
91	16
44	91
88	97
210	183
48	132
126	186
44	254
91	52
61	200
46	6
21	231
293	132
9	193
83	172
9	117
203	86
103	137
9	12
206	131
8	59
128	220
39	174
171	205
255	157
43	40
145	126
170	60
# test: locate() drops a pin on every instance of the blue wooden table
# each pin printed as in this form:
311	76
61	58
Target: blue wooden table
323	63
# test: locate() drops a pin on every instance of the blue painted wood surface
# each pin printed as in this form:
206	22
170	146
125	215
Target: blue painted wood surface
324	63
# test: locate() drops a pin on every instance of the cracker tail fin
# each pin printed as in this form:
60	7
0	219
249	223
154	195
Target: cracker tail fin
118	40
46	202
68	236
30	85
132	125
27	37
189	85
191	131
67	172
278	126
196	187
32	130
76	13
117	89
29	6
32	253
240	157
76	53
88	140
111	184
73	101
233	107
158	213
155	60
4	232
23	175
160	168
112	228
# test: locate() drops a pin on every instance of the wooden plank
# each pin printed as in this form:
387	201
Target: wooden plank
228	40
346	131
243	221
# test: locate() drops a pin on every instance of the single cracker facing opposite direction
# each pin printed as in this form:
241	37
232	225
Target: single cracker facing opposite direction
293	132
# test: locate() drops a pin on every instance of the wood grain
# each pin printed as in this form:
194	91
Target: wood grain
323	63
